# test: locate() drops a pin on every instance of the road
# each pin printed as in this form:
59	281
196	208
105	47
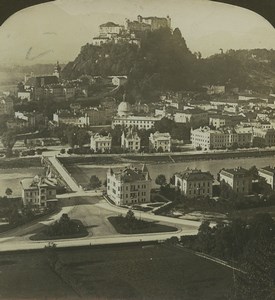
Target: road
94	212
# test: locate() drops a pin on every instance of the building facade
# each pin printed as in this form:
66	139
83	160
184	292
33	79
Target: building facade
239	179
38	191
194	183
130	141
268	173
192	116
223	138
129	186
159	141
101	143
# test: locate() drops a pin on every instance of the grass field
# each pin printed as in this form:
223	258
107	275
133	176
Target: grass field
28	275
151	227
115	272
146	272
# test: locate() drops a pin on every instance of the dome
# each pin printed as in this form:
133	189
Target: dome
124	108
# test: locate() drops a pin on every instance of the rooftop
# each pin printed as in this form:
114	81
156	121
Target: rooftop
132	174
195	175
34	183
268	169
109	24
236	171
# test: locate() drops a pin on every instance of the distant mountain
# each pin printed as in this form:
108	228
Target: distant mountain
14	74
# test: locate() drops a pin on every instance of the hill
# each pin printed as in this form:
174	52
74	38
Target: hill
164	62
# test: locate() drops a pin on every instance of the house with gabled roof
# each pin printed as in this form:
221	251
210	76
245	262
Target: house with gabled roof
194	183
239	179
268	173
130	140
38	191
129	186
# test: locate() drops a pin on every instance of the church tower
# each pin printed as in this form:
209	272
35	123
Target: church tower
57	70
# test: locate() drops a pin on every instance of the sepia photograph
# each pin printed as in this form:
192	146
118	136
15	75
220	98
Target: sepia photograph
137	150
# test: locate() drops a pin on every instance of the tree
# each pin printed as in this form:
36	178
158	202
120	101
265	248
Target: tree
8	139
82	137
130	215
8	191
164	125
71	135
94	182
161	180
257	280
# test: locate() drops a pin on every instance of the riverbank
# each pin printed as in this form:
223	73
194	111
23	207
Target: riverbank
103	159
20	162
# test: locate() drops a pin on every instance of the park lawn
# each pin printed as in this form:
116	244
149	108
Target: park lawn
27	275
42	235
145	272
145	227
251	212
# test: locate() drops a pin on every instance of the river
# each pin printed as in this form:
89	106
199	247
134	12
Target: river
82	172
11	177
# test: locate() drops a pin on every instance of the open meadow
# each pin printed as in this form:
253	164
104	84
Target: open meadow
115	272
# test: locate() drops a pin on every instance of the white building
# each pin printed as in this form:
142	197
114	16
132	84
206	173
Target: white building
159	140
222	138
129	186
268	173
24	95
130	140
215	89
101	143
38	191
239	179
194	183
125	118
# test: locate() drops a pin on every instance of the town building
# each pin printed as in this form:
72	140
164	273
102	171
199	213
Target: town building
125	118
32	118
192	116
38	191
215	89
268	173
159	141
194	183
130	140
147	24
69	118
129	186
239	179
223	138
267	135
219	121
101	143
25	95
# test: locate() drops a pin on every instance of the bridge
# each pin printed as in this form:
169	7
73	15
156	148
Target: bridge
56	166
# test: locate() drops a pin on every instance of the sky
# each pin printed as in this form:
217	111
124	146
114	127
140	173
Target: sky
56	30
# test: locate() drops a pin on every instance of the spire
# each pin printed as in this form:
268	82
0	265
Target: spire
144	168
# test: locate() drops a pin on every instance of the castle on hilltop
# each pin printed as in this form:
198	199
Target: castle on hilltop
131	31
